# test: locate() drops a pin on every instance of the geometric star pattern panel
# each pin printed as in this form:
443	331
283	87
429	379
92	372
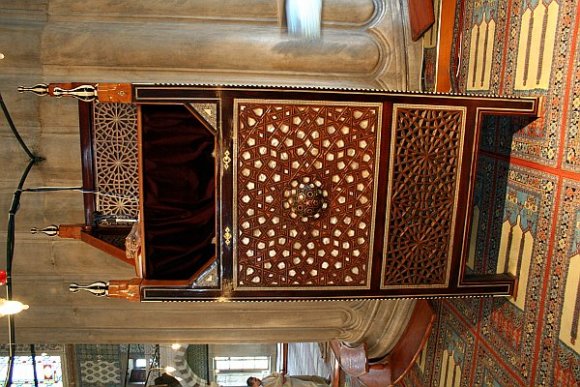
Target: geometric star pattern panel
305	190
425	154
115	155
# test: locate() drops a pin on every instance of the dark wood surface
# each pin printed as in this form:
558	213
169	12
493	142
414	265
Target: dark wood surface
408	348
110	241
87	159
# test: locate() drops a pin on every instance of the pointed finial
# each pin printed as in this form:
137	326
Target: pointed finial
40	89
98	288
85	93
51	230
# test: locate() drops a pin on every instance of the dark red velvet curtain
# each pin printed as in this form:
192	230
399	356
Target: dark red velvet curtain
178	192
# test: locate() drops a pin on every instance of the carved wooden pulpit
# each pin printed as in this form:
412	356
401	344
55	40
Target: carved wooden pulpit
275	193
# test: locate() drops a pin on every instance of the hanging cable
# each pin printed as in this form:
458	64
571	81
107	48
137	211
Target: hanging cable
33	356
52	189
33	159
16	134
81	190
9	258
126	378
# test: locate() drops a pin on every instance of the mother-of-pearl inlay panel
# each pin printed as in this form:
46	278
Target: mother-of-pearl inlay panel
333	145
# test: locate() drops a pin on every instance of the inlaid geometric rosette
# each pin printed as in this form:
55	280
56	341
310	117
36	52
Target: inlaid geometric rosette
305	199
425	164
115	153
288	151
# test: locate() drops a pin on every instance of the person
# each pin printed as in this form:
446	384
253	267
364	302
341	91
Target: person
281	380
167	380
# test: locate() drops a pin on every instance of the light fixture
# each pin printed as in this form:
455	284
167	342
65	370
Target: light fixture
175	346
11	307
303	18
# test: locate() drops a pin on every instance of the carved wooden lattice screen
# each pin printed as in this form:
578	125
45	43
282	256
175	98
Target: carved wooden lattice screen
425	165
115	159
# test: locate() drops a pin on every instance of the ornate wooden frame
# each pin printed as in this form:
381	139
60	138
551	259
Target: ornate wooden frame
419	151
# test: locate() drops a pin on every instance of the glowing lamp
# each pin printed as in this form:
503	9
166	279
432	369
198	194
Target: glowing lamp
11	307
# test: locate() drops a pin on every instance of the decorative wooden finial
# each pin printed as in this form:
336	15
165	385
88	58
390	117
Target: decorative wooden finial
40	89
85	93
51	230
98	288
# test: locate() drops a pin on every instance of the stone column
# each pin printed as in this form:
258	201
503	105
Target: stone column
362	45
